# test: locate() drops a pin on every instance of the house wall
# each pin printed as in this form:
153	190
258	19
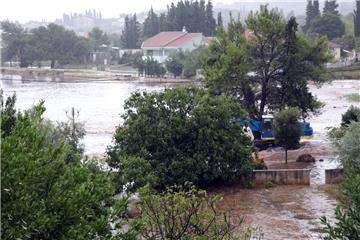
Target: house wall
191	45
336	53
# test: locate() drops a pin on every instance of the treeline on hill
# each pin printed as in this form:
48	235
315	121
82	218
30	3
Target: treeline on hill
195	16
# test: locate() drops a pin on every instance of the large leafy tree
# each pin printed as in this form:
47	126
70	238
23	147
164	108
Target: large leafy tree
271	70
184	134
98	38
329	25
42	195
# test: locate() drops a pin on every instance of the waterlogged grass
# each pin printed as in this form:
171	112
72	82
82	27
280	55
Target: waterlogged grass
355	97
333	190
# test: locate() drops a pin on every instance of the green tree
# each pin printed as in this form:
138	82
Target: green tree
219	21
174	65
185	135
312	13
98	38
357	19
16	42
151	25
328	25
351	115
225	65
271	70
43	197
347	214
286	128
131	33
210	20
331	7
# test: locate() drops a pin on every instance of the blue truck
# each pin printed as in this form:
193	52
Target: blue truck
262	133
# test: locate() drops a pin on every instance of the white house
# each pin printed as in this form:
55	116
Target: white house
160	46
336	50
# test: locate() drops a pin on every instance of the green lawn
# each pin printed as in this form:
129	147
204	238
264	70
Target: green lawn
354	97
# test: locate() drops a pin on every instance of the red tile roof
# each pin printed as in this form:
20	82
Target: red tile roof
169	39
207	40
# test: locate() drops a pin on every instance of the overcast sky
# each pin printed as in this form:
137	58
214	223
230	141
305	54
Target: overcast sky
25	10
49	10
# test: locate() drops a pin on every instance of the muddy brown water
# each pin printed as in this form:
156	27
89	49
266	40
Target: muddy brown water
281	212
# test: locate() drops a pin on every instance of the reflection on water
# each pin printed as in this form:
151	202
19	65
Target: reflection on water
100	103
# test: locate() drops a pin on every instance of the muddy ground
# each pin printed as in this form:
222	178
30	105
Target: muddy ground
293	212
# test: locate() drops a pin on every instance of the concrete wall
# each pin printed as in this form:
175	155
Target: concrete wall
334	176
282	176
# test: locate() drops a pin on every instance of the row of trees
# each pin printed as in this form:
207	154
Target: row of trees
328	23
195	16
357	19
52	43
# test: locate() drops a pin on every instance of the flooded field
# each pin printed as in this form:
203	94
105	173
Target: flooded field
281	212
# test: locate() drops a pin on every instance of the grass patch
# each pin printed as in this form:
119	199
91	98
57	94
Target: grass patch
353	97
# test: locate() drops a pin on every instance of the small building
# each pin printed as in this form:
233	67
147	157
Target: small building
336	50
160	46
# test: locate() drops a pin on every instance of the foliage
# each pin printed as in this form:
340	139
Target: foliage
53	43
174	66
347	42
185	214
331	6
98	38
357	19
185	135
150	67
225	65
286	128
43	197
151	25
195	16
347	215
130	36
271	69
8	114
312	13
351	115
329	25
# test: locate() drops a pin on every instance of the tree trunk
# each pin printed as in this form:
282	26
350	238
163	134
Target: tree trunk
285	155
52	64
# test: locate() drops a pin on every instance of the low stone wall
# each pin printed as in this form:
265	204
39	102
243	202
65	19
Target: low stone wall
282	176
334	176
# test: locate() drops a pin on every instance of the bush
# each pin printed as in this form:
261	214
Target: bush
184	134
352	114
185	214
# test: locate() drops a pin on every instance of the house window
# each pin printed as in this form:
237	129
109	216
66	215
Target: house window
150	52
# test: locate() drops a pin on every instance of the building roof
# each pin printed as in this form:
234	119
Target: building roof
249	35
207	40
334	45
169	39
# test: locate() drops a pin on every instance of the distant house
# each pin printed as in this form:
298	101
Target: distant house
160	46
335	50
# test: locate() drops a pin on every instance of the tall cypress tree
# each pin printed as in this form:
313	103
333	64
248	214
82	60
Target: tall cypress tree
219	20
151	24
210	21
357	19
131	33
309	15
331	7
316	9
